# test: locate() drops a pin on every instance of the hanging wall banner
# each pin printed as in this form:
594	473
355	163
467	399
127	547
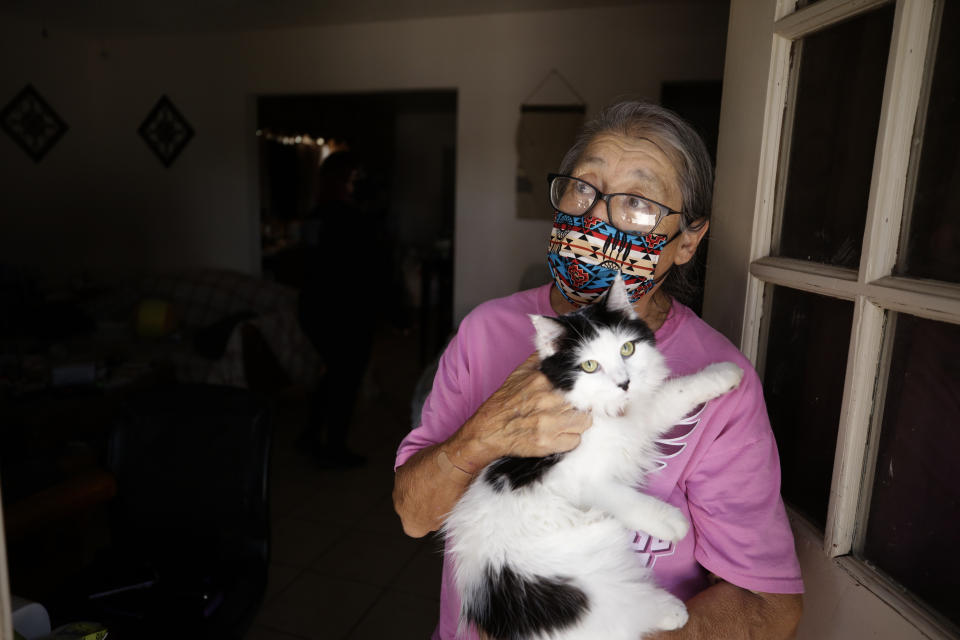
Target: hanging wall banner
544	134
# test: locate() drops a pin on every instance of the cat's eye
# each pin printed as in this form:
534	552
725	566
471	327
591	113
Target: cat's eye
627	349
589	365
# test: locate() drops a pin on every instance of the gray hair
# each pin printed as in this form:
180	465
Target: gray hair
684	148
682	145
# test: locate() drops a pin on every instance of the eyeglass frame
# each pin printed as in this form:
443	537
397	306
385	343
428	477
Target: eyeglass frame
664	209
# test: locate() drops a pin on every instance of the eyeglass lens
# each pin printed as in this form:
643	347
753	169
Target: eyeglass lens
627	212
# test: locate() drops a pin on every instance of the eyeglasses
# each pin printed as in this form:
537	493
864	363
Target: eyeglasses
627	212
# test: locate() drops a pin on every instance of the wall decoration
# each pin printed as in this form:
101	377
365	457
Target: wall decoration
32	123
165	131
546	130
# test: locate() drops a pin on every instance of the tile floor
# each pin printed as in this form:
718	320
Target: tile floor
341	565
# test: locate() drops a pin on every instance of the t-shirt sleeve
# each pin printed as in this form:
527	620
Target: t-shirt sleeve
741	526
492	341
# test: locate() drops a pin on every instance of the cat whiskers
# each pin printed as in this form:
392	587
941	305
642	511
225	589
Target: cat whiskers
575	330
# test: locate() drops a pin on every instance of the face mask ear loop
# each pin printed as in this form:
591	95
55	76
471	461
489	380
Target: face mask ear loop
657	280
662	277
671	239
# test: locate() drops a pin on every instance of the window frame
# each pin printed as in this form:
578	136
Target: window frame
876	293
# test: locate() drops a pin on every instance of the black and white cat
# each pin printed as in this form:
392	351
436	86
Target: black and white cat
542	546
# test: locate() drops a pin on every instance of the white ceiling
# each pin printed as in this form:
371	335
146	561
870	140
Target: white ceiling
131	17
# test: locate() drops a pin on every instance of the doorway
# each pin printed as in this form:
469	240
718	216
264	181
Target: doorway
405	142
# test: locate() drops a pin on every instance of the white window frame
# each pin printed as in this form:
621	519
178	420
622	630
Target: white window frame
872	288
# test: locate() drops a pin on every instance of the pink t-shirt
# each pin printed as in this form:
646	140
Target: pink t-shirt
720	466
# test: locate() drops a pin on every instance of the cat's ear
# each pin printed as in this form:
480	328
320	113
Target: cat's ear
616	298
548	330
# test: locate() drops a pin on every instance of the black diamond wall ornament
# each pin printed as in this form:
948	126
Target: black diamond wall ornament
166	131
32	123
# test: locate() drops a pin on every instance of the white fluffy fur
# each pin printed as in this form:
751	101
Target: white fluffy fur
579	521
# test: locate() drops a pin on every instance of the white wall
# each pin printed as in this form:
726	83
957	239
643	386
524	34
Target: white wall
837	605
101	200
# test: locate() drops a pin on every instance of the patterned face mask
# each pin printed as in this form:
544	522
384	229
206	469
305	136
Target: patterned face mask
586	254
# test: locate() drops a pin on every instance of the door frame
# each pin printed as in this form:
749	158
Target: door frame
755	119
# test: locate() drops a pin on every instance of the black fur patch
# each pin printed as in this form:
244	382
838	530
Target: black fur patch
515	607
563	367
518	471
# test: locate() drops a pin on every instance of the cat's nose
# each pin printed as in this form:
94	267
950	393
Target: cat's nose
623	385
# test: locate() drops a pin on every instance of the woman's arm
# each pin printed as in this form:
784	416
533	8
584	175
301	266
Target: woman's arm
524	417
726	612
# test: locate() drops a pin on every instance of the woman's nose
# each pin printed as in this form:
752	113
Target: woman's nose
600	210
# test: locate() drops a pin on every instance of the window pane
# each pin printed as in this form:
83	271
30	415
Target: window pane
914	526
933	241
839	91
803	383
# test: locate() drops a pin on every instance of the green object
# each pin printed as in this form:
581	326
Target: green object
79	631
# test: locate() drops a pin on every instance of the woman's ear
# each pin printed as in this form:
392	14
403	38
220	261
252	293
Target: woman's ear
689	240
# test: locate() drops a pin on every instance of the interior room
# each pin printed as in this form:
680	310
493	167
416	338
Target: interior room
165	211
147	263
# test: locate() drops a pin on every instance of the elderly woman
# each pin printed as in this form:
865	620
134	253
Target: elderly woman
643	182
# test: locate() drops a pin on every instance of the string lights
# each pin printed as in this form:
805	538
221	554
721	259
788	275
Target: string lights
303	139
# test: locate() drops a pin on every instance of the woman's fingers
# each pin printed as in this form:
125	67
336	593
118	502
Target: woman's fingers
527	417
544	423
567	442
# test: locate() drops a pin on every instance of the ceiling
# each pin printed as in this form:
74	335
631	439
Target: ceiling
134	17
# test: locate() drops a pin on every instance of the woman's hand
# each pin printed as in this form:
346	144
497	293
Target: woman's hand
525	417
724	611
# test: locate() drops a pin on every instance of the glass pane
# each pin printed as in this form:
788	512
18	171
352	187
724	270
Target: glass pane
803	383
914	526
933	241
839	91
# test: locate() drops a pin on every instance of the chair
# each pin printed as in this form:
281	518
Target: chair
190	523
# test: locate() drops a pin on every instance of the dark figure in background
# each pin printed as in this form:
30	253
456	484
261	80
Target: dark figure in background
335	314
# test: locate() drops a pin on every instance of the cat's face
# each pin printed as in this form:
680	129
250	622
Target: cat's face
600	356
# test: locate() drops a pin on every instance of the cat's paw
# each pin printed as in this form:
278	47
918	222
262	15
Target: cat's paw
727	375
673	615
670	525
